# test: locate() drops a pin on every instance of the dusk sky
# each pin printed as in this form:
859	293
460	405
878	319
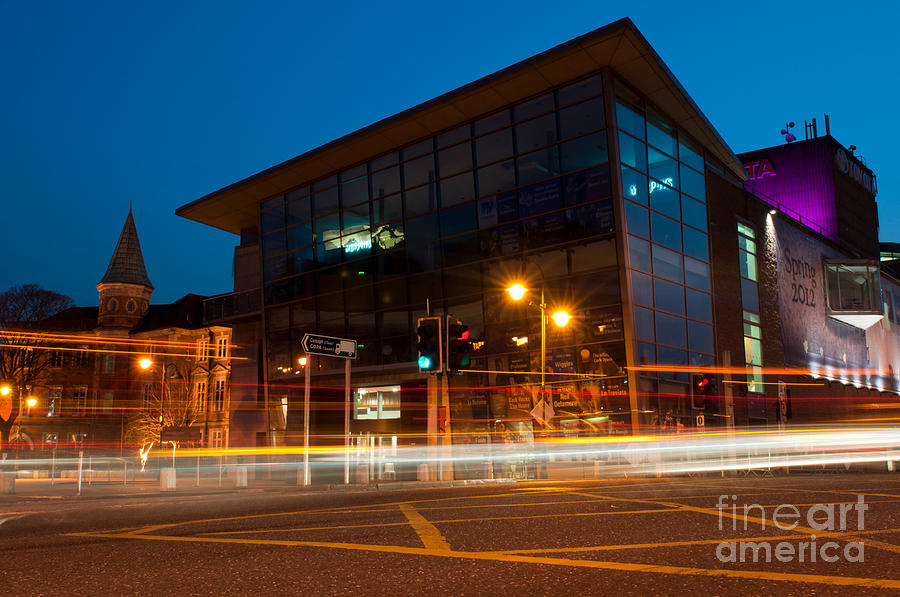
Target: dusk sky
108	104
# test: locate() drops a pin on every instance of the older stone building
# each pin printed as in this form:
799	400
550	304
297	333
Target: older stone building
120	371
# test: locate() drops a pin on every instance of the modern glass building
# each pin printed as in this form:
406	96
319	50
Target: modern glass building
583	172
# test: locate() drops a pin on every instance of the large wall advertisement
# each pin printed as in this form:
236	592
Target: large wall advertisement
811	339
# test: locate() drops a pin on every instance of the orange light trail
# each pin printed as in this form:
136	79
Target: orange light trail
67	338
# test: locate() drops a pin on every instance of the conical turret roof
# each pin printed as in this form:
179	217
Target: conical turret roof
127	263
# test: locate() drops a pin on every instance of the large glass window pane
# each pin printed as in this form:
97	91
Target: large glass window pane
422	230
386	182
673	357
354	185
299	236
698	305
457	189
690	153
303	260
276	267
668	296
664	199
493	147
643	324
328	228
661	135
749	295
641	289
325	201
420	148
670	330
535	133
693	213
384	161
298	210
272	219
387	209
646	354
581	118
700	337
329	253
588	185
492	122
425	258
388	236
537	165
584	152
458	220
692	183
420	200
637	219
273	244
667	264
639	253
355	216
533	107
629	120
666	231
496	177
418	171
540	198
581	90
453	137
748	265
634	185
632	152
590	219
455	159
663	168
696	274
696	244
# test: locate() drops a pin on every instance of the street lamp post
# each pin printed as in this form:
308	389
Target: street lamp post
561	318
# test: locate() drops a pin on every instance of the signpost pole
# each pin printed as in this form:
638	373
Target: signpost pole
306	426
347	421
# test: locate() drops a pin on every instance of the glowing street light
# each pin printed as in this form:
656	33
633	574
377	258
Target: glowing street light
302	361
145	363
5	390
561	318
516	291
31	401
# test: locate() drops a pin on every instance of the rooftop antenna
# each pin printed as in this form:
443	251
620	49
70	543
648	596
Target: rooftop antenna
788	135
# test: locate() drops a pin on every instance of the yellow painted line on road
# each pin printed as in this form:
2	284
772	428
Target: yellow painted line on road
446	521
429	534
522	559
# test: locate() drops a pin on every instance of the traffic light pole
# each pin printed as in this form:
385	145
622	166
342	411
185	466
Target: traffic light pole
543	306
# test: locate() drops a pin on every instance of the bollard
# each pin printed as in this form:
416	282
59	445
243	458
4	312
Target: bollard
7	482
80	468
240	477
167	479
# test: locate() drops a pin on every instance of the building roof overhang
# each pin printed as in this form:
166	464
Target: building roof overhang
619	46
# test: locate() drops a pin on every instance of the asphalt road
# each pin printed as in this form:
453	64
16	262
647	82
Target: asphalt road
619	536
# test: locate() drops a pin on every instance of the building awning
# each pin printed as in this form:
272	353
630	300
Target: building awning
619	46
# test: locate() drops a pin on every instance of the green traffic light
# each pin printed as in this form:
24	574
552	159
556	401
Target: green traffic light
424	362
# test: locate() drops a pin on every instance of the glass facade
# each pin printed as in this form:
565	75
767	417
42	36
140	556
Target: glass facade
450	221
664	198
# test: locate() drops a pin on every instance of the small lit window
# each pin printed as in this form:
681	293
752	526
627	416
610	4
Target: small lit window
853	292
377	403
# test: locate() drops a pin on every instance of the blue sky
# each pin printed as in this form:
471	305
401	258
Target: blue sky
107	104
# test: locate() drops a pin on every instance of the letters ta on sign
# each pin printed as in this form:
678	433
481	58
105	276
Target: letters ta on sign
760	169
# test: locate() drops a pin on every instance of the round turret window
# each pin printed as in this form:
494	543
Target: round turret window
112	305
131	306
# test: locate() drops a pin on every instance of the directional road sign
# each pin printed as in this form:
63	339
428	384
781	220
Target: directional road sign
329	346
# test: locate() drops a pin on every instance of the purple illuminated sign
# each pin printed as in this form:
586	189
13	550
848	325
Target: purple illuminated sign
760	169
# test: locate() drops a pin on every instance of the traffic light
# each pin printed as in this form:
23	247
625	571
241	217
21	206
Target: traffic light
429	345
459	347
703	390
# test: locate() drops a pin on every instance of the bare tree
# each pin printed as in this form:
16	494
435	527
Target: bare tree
23	351
172	403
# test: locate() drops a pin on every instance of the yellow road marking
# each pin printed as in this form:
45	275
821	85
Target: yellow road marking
500	557
429	534
446	521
